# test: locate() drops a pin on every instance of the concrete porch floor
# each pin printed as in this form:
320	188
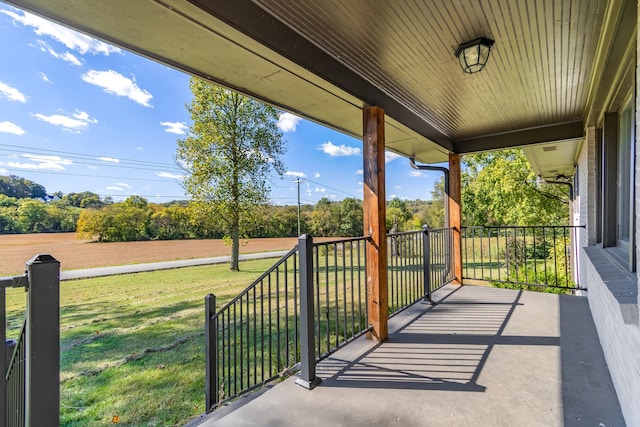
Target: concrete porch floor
481	357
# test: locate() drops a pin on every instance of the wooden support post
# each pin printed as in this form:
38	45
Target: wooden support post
374	222
455	214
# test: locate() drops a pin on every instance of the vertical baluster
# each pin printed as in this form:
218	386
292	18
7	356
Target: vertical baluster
255	338
318	312
279	366
211	351
287	356
353	306
270	326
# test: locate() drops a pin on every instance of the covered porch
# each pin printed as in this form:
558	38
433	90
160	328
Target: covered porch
558	77
481	356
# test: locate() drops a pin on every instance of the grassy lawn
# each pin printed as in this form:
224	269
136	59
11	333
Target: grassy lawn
132	346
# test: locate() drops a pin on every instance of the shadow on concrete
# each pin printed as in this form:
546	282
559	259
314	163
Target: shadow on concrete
444	348
519	358
587	390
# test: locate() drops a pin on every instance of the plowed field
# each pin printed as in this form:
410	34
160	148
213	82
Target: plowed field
16	249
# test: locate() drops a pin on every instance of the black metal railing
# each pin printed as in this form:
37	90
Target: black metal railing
419	263
253	339
15	381
440	255
319	290
524	255
405	268
339	285
30	366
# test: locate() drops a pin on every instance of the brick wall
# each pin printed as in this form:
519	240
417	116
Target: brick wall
618	331
620	342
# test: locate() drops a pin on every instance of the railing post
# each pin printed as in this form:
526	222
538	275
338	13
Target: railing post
308	378
426	271
211	352
43	342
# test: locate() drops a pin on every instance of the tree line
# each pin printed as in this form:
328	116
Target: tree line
137	219
497	189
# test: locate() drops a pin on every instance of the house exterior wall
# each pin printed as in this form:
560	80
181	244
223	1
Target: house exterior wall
612	290
619	336
586	195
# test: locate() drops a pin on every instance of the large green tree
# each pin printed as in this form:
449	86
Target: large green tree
500	188
21	188
232	146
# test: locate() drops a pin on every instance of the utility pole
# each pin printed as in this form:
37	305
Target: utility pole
298	181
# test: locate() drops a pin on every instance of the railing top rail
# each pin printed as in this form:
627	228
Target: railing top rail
342	240
402	233
258	280
521	226
441	229
14	282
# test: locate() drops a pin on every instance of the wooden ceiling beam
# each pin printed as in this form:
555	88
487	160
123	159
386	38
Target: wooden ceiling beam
520	138
253	21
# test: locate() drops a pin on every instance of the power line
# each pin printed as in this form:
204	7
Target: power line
123	166
317	183
81	156
142	195
85	175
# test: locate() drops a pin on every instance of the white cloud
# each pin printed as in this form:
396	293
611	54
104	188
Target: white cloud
109	159
391	197
44	77
316	175
74	123
178	128
320	190
3	171
65	56
390	156
416	174
287	122
122	184
11	93
333	196
338	150
41	162
296	174
169	175
139	148
397	187
68	37
81	115
113	187
359	172
117	84
13	128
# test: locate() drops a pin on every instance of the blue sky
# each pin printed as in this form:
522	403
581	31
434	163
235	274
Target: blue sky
77	114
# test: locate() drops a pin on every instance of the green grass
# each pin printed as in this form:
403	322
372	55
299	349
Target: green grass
132	345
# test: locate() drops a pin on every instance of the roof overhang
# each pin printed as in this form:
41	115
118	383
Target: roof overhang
546	81
553	160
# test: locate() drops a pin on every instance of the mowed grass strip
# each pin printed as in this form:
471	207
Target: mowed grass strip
132	346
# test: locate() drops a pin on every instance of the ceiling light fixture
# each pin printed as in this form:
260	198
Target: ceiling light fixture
473	55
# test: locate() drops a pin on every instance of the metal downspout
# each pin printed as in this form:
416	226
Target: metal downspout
444	170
